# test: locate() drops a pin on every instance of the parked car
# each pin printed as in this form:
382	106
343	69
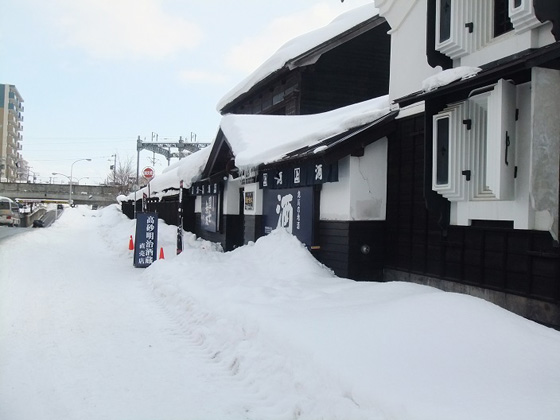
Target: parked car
38	223
9	212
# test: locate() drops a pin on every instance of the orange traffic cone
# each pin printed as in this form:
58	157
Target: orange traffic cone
131	244
161	256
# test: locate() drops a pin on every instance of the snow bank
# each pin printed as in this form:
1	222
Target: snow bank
262	332
382	350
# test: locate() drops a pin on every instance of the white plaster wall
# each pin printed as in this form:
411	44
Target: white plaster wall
198	204
335	196
361	192
231	196
546	148
368	186
409	66
508	44
257	197
524	134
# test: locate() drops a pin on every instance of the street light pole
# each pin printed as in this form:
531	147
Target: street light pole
69	181
71	170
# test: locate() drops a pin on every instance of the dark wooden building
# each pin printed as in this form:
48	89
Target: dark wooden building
349	68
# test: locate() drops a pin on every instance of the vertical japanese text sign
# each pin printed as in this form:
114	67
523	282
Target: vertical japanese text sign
145	248
291	209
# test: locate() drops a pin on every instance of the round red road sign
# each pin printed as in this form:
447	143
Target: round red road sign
148	172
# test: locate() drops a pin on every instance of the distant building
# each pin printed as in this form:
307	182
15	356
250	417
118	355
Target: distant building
11	117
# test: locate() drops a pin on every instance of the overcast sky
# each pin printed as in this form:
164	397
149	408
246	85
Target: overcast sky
96	74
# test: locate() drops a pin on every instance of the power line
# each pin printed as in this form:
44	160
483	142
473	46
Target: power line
80	138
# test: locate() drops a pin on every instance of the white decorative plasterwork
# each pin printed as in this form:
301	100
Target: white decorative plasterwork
395	11
481	147
523	16
470	27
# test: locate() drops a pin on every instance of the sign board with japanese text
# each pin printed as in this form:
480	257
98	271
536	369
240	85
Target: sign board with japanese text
249	197
301	175
145	244
291	209
209	213
205	188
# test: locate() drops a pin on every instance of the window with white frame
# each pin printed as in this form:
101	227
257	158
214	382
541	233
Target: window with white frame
465	26
522	15
449	152
474	146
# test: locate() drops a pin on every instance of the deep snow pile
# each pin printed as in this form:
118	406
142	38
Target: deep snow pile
279	335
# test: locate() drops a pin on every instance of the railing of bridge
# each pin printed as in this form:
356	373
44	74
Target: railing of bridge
100	194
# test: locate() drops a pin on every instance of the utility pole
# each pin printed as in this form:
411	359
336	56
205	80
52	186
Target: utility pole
114	167
155	138
164	148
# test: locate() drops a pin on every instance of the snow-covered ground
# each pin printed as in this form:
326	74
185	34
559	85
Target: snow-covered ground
263	332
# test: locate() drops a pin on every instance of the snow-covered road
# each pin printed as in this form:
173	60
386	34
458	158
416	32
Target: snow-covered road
263	332
82	339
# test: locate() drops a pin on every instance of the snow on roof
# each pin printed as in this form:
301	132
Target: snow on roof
448	76
298	46
256	139
187	169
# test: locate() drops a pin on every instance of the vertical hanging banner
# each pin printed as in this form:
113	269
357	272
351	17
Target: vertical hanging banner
180	220
146	239
209	213
291	209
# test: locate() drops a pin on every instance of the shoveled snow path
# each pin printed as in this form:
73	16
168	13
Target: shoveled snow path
83	336
66	326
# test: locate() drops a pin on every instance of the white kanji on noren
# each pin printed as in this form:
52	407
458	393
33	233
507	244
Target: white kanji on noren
319	172
285	212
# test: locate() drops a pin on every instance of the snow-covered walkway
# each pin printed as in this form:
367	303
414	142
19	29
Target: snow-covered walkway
81	338
264	332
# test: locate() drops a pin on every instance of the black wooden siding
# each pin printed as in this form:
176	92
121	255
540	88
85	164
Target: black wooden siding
340	248
253	228
265	100
520	262
128	209
354	72
230	234
167	210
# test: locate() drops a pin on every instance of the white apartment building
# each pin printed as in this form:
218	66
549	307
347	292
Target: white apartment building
11	118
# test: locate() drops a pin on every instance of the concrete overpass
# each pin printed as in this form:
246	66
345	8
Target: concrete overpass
81	194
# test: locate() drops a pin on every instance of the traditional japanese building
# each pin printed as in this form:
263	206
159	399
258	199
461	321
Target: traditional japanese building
325	183
344	63
473	166
443	169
